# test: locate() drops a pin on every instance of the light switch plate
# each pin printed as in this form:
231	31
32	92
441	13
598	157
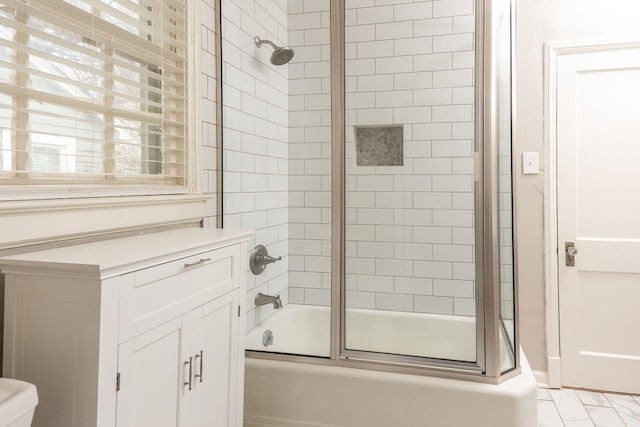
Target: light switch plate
530	163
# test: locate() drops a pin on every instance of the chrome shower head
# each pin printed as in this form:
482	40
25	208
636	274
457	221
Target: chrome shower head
280	55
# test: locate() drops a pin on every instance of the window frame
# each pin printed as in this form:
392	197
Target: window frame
65	186
35	214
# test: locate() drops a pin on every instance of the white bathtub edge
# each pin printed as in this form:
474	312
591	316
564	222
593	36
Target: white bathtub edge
253	421
301	395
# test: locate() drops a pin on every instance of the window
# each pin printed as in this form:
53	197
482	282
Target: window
93	92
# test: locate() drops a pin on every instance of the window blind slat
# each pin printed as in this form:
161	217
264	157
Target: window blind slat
99	141
155	8
61	118
32	52
86	106
166	9
106	29
146	19
92	89
67	16
64	44
43	178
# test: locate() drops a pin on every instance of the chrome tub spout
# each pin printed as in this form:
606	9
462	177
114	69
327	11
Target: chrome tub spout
262	299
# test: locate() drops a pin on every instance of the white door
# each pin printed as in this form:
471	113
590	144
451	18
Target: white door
598	137
214	401
152	375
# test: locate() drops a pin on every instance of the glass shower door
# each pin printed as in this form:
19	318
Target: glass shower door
410	223
389	201
502	55
277	165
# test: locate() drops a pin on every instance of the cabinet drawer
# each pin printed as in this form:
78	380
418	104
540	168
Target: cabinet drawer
154	295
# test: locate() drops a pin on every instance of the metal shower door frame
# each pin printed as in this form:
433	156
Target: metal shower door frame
487	366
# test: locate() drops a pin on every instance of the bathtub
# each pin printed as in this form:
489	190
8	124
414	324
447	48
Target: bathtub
299	394
304	329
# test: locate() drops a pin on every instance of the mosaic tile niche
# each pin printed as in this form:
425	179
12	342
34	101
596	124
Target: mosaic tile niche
379	145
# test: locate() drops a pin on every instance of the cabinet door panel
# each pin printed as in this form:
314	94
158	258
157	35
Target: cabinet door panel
51	339
217	329
152	372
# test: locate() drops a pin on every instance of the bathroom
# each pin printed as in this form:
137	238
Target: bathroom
402	163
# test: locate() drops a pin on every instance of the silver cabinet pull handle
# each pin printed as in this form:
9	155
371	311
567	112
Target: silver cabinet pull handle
201	357
193	264
190	363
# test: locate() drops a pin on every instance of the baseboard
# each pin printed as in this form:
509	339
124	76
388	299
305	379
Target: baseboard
255	421
552	377
554	372
541	378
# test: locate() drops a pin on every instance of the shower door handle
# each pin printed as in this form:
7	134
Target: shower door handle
570	253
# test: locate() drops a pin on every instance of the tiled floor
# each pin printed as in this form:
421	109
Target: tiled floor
577	408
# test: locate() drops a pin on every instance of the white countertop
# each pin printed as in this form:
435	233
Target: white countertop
116	256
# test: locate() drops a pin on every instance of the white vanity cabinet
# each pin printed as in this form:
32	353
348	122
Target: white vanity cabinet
141	331
195	354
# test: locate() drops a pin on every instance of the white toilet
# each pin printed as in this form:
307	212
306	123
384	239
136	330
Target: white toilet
18	401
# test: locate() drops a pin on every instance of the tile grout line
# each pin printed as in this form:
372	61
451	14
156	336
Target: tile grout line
587	411
555	405
615	407
595	406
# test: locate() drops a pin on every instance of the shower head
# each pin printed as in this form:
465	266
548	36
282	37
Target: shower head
280	55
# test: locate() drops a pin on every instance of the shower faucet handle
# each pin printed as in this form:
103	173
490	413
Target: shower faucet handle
260	258
268	259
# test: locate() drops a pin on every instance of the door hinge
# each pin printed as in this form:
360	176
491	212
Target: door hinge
238	311
118	381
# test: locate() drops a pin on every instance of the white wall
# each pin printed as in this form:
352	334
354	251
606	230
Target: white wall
540	22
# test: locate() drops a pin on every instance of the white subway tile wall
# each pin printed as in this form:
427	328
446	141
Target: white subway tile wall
310	153
208	105
256	133
410	228
410	240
